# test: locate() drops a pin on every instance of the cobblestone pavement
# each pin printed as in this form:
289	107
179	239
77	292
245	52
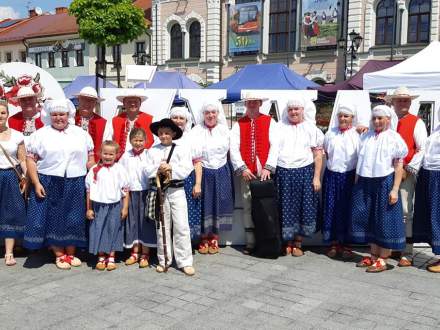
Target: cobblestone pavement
229	291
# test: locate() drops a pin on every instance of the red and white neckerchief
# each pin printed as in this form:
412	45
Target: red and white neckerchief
98	168
137	152
61	130
343	130
29	126
85	123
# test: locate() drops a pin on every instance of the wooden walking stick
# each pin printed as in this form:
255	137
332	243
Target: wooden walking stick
160	195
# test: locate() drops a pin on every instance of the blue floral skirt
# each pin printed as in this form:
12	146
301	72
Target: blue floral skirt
373	219
59	218
12	206
194	208
298	203
217	200
337	203
426	224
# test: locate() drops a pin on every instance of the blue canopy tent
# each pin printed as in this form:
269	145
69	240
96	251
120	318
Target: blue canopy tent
82	81
262	76
170	79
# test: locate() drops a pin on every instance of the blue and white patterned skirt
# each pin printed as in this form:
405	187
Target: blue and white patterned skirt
137	229
217	200
59	218
373	219
106	231
426	224
337	189
194	208
297	201
12	206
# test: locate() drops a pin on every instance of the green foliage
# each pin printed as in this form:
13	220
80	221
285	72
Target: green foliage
108	22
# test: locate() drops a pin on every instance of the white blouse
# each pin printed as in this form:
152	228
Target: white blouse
237	160
431	159
111	184
296	143
134	167
341	149
210	146
181	161
378	153
60	153
11	147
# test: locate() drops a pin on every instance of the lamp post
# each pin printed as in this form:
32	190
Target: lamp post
356	40
140	58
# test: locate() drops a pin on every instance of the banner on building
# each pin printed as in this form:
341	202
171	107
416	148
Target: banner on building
320	20
245	27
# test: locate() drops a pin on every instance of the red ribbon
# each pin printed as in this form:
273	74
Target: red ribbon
98	168
137	152
342	130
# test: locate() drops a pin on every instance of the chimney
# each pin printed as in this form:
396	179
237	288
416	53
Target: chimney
61	10
32	13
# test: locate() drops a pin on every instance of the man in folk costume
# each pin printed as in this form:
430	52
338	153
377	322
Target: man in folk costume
412	129
88	120
252	138
28	119
132	117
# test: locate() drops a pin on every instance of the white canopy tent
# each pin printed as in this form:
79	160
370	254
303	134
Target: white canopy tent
419	72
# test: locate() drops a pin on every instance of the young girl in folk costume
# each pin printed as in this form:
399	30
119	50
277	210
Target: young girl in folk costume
12	209
107	206
139	234
212	136
298	175
162	159
376	215
193	183
341	145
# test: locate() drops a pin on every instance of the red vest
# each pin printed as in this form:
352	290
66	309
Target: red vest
120	134
17	122
254	134
96	131
405	128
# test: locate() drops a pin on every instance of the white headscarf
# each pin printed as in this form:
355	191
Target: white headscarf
59	105
184	112
296	102
221	119
346	108
385	111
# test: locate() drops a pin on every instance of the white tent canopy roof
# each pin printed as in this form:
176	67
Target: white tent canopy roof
419	72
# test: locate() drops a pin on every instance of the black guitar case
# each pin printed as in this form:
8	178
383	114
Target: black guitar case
265	216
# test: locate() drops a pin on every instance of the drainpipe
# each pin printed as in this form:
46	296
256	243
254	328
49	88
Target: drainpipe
155	10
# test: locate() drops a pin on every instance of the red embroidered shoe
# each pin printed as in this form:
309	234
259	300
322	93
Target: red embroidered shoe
365	262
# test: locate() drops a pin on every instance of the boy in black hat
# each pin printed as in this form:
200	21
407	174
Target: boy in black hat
174	163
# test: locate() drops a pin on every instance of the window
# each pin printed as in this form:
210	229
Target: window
116	54
419	18
51	59
140	52
8	57
194	40
65	58
384	22
38	59
282	17
79	57
425	113
176	42
23	56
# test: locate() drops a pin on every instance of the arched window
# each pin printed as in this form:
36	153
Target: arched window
419	14
176	41
384	22
194	40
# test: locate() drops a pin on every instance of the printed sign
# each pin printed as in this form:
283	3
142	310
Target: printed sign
245	27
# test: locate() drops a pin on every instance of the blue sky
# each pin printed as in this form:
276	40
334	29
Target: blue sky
19	8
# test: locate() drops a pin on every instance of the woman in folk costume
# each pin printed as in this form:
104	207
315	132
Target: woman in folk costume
193	183
212	136
300	151
13	209
426	225
58	157
167	158
376	215
132	117
341	146
89	120
139	234
27	120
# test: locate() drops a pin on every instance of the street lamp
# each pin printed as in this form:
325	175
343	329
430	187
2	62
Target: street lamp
139	58
356	41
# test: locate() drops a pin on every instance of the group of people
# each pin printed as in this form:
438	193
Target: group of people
137	184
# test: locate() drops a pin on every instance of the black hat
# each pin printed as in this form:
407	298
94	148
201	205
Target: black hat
166	122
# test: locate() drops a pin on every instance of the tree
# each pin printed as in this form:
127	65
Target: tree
108	23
